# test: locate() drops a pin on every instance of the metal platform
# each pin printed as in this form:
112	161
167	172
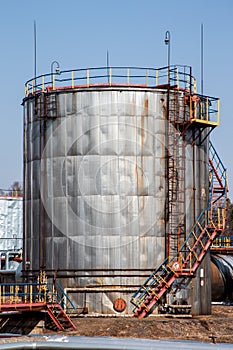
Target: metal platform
34	297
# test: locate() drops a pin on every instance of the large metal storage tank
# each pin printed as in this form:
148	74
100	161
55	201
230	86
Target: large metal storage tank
95	189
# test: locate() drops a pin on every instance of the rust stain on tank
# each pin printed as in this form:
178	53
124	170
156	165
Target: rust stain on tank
144	114
140	179
133	107
139	170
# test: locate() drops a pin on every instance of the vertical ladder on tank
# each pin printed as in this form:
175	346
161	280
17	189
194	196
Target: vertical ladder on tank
46	106
176	176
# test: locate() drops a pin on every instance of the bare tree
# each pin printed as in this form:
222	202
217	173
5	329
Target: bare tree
16	189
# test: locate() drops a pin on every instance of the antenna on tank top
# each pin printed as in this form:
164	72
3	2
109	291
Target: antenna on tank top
202	59
35	53
107	64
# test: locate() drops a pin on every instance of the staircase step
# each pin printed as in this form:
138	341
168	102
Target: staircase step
59	317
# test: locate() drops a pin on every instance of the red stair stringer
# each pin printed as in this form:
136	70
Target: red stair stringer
183	265
56	307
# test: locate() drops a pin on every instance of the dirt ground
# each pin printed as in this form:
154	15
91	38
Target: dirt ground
218	327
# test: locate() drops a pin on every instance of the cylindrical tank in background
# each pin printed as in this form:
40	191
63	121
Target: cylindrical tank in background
222	277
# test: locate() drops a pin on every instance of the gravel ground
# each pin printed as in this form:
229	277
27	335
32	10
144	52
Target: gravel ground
218	326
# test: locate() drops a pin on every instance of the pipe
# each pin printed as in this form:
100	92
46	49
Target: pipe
8	254
108	343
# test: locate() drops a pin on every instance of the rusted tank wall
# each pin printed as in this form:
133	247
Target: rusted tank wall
94	163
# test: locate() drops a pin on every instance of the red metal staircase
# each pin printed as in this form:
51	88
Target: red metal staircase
56	301
59	317
209	225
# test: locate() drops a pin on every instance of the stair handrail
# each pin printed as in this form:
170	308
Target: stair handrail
58	298
145	284
213	155
65	296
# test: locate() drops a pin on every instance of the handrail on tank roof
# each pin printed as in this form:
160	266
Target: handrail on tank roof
204	110
180	77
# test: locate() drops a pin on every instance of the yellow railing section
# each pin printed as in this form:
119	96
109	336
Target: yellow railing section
25	293
218	218
179	77
223	242
204	110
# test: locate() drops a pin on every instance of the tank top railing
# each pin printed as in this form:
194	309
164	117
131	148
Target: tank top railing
179	76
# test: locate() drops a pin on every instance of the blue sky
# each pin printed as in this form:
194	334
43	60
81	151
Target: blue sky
78	33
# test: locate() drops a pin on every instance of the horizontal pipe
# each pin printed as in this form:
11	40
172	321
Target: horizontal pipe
100	289
81	270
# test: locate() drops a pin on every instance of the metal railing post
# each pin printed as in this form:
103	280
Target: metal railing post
156	77
53	82
190	107
218	117
30	294
88	78
207	109
72	75
110	80
177	78
25	293
195	86
147	77
128	76
43	86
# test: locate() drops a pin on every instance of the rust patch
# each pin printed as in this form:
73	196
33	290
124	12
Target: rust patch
139	178
146	103
144	114
164	108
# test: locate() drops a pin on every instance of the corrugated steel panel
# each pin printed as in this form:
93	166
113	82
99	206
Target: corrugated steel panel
11	223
